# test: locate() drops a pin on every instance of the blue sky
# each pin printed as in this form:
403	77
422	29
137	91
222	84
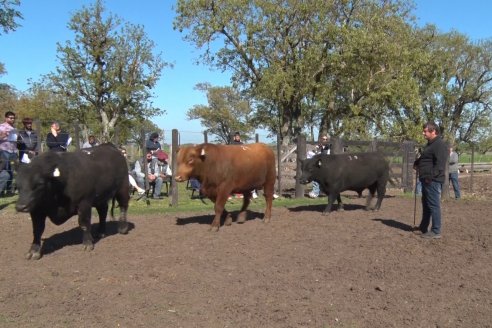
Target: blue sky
30	51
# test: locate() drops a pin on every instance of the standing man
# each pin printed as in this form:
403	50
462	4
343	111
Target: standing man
453	172
27	142
56	140
431	166
8	149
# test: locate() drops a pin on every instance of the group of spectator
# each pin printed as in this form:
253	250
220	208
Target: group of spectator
20	146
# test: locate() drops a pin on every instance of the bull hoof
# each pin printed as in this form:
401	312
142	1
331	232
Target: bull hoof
228	220
34	253
214	228
326	213
88	246
123	228
241	218
266	220
340	209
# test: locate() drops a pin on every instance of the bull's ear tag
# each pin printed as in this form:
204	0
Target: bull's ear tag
319	163
203	152
56	172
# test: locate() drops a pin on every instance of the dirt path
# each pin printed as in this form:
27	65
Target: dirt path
352	269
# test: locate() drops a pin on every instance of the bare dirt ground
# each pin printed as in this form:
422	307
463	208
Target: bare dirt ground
351	269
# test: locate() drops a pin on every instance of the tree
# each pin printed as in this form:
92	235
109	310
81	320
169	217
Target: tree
457	91
108	72
285	52
8	16
226	112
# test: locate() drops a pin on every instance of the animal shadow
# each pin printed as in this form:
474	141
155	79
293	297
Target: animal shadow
6	205
394	224
74	236
321	208
208	218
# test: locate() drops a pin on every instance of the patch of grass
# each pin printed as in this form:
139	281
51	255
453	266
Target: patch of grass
187	204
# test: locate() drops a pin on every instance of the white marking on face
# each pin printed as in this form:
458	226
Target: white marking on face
56	172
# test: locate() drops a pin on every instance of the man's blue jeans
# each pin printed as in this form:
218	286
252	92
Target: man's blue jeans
8	171
431	206
453	178
315	188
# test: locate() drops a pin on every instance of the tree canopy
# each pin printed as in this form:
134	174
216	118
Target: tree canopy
108	72
359	69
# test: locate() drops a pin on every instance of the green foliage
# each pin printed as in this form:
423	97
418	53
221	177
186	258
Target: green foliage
108	72
9	15
226	113
354	69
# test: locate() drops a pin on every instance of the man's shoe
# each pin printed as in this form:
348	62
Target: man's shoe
431	235
417	230
312	195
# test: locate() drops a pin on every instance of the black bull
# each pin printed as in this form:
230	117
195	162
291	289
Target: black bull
341	172
61	185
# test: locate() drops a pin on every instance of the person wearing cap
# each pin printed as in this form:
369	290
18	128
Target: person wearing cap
154	174
27	142
152	145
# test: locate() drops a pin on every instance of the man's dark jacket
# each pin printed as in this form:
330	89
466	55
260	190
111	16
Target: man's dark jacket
431	164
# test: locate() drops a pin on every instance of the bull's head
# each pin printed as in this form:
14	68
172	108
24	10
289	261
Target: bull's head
189	162
36	182
308	169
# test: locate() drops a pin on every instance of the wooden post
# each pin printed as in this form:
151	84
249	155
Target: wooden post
205	137
472	167
174	167
279	164
144	160
301	155
407	174
76	137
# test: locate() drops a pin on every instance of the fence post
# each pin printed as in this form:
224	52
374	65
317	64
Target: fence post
37	129
174	166
336	145
76	137
144	160
205	137
472	167
374	145
257	137
279	164
407	166
301	155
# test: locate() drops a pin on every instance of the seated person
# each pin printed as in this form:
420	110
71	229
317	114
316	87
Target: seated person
131	179
91	142
154	174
